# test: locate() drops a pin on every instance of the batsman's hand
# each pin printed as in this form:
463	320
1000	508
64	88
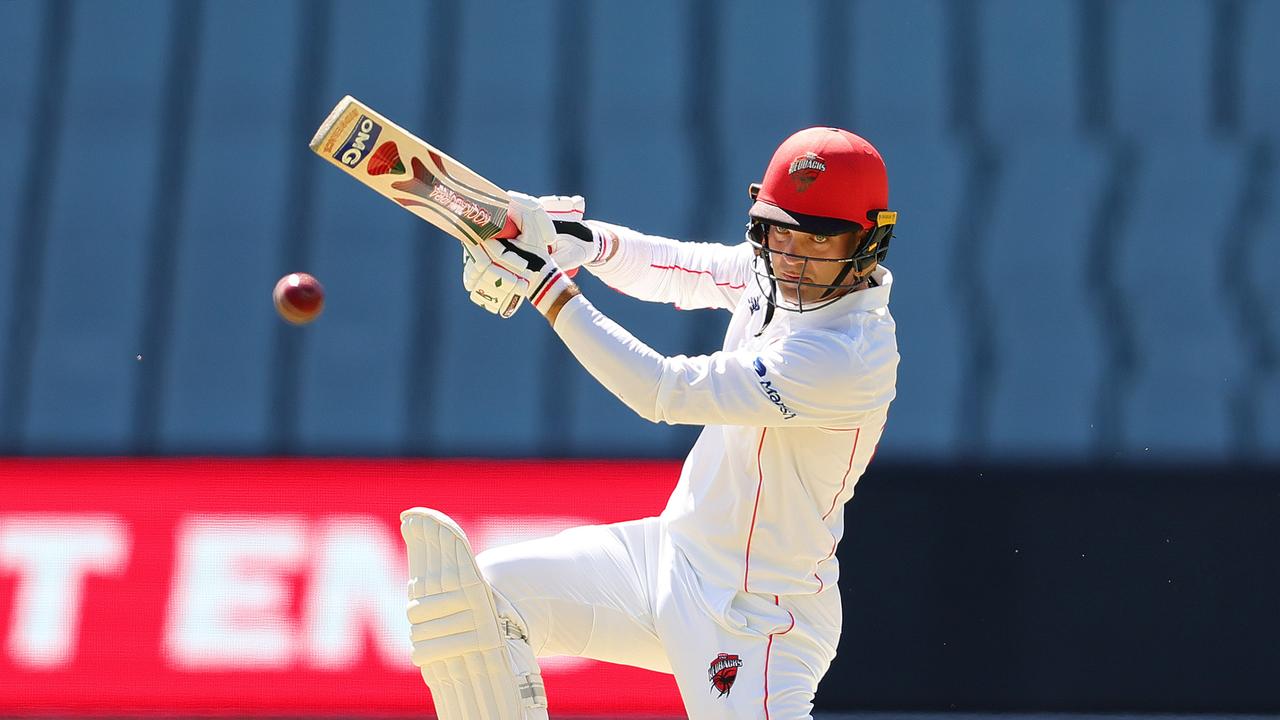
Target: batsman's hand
500	274
575	243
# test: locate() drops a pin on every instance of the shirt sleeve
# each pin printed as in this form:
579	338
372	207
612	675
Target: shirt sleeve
811	378
690	275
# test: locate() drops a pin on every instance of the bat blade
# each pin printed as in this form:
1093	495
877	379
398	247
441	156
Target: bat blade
412	173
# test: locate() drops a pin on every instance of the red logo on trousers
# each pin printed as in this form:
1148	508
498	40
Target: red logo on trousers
723	671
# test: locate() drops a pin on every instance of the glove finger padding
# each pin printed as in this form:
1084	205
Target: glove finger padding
564	207
471	270
534	223
567	211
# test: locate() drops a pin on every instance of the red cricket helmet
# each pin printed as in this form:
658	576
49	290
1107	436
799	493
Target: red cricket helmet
823	180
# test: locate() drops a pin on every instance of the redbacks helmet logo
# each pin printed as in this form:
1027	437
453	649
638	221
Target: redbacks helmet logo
805	169
723	671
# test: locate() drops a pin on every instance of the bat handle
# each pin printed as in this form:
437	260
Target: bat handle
509	230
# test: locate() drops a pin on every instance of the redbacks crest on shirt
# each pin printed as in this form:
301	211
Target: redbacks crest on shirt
723	671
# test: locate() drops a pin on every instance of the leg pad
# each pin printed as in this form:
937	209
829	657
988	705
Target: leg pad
477	664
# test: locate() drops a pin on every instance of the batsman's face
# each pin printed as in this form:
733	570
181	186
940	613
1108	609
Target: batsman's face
806	282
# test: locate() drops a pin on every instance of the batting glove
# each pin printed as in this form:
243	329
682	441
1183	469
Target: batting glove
500	274
575	243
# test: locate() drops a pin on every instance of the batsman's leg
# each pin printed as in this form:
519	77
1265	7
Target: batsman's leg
473	655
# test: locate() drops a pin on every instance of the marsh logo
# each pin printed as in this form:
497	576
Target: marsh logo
774	396
359	142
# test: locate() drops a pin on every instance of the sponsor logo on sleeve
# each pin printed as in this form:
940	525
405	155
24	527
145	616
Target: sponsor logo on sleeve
770	392
363	136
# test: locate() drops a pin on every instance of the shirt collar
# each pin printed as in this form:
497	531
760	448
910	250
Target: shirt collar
866	300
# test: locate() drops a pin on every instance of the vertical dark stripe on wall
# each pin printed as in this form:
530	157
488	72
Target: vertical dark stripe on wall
167	205
1246	231
701	98
835	44
963	83
1095	65
1224	73
1107	229
1245	234
1259	348
977	201
973	428
27	274
571	94
295	247
441	72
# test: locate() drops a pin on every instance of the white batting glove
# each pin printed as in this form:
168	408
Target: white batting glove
500	274
564	207
576	243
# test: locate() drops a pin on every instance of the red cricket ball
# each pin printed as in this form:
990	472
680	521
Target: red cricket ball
299	298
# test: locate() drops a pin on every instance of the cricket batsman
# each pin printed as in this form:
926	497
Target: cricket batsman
732	589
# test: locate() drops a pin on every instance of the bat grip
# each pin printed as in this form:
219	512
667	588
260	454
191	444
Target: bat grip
509	230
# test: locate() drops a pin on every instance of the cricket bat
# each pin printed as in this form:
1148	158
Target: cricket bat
409	171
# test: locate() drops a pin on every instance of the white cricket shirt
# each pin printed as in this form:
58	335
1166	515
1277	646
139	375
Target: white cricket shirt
792	414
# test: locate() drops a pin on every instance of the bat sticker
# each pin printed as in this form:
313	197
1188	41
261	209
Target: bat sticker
363	135
427	186
386	159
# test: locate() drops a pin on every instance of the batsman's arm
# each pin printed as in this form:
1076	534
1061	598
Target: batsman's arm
813	378
553	311
689	275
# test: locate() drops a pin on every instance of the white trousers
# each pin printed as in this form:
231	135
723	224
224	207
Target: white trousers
625	594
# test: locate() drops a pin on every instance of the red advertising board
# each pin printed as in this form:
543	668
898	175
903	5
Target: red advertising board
269	587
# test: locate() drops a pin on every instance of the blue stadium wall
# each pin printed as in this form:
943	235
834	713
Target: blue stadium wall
1086	284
